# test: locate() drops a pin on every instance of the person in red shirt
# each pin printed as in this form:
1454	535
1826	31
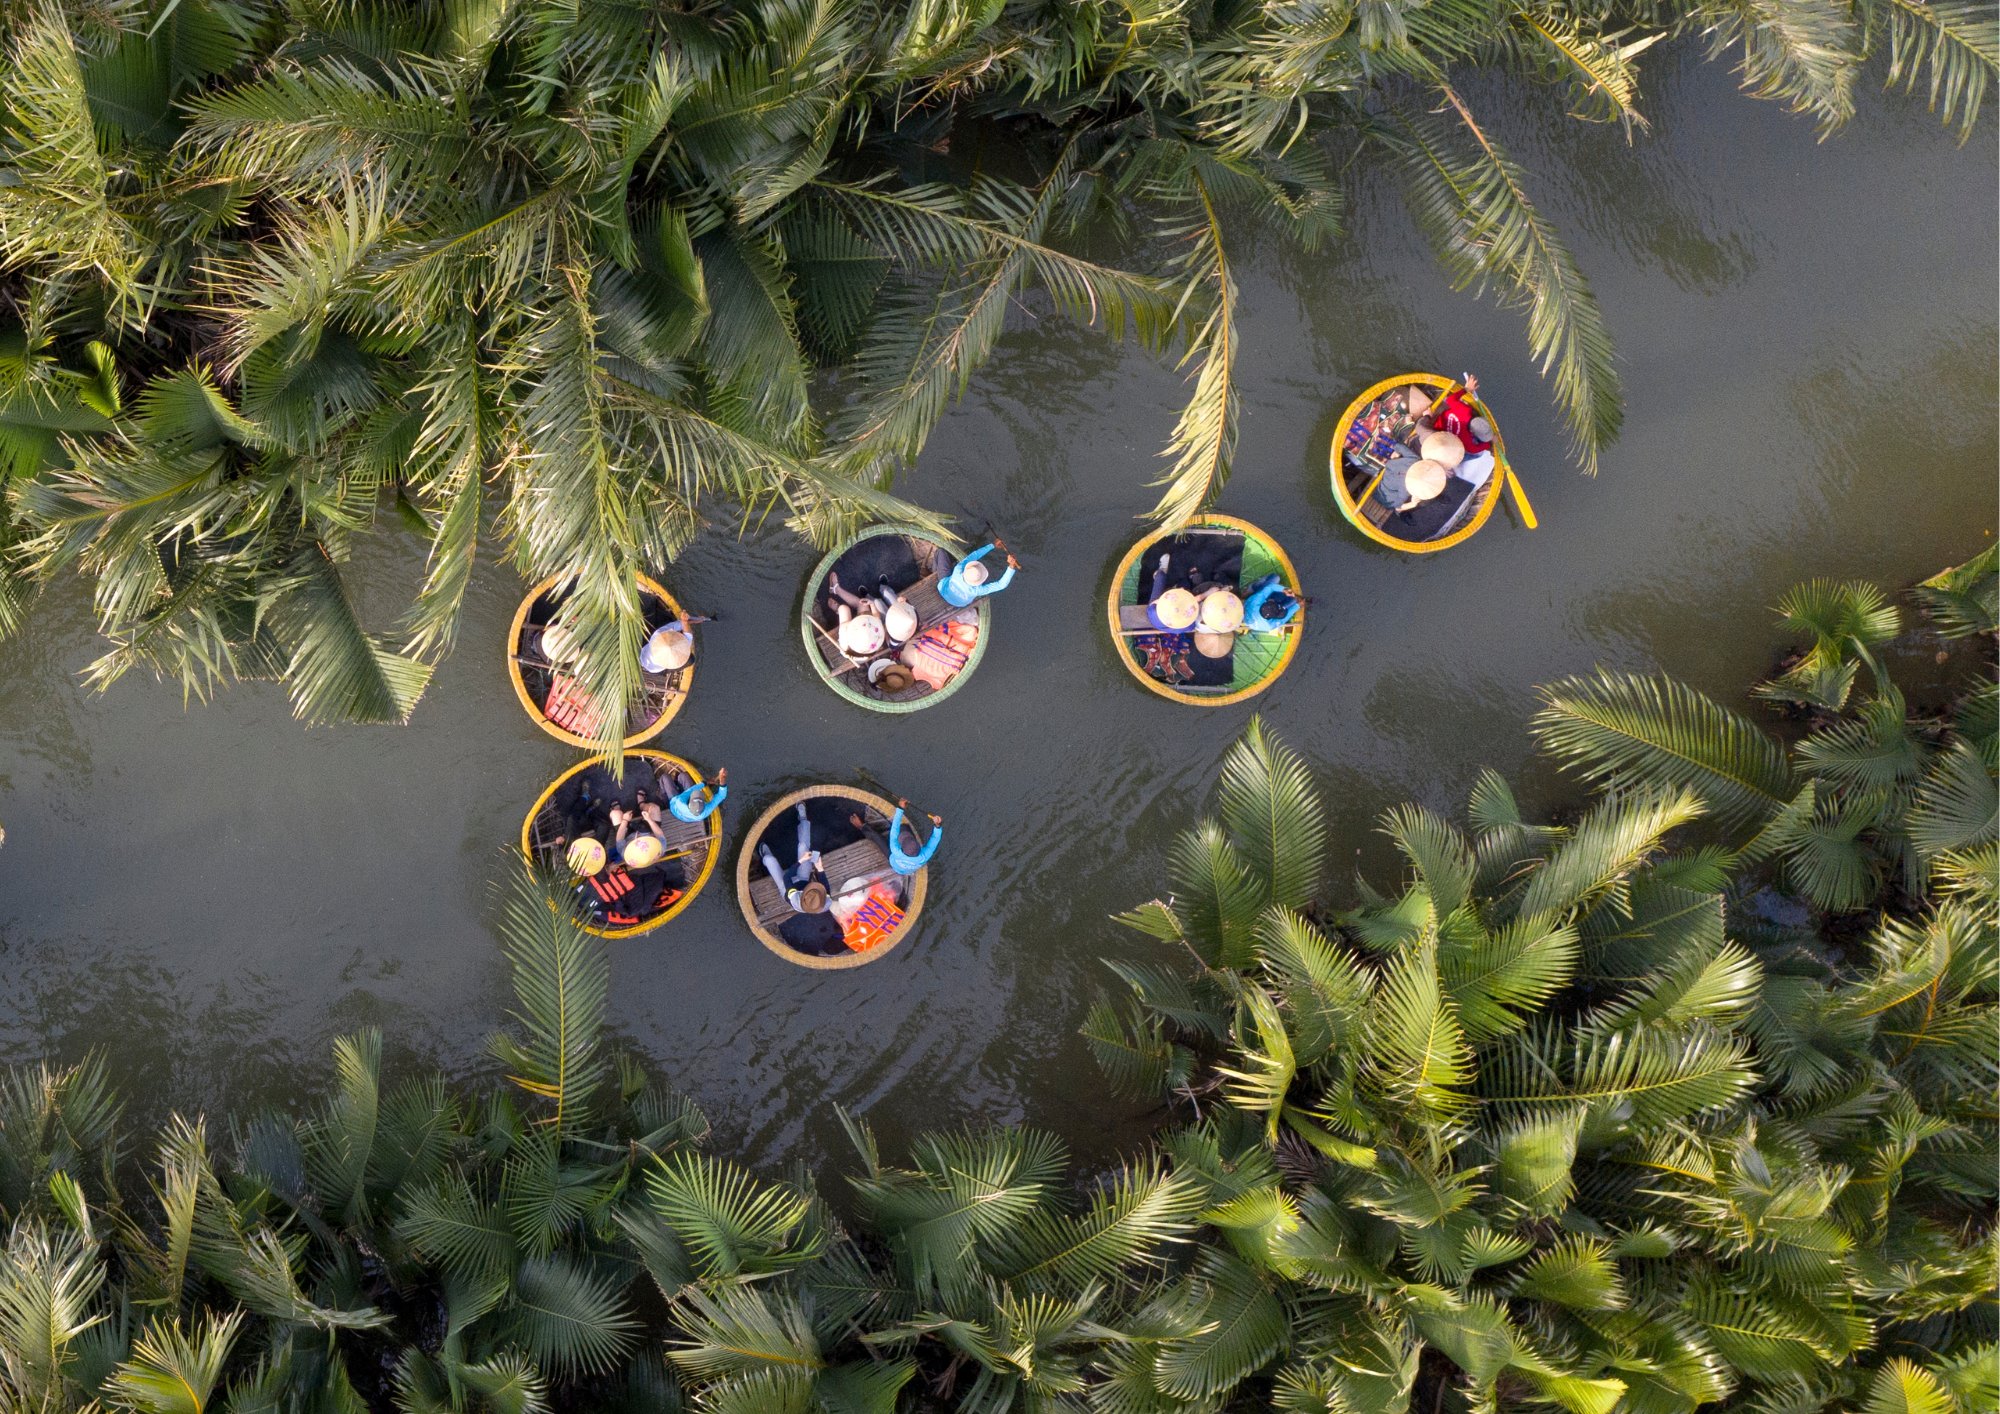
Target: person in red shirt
1456	415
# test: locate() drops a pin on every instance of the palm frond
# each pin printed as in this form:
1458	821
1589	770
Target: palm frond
1661	733
1274	815
175	1372
1958	805
569	1319
562	985
1965	599
1470	199
1960	45
1801	52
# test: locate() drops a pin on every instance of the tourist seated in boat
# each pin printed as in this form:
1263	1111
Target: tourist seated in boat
861	633
668	649
804	886
1270	606
693	803
960	585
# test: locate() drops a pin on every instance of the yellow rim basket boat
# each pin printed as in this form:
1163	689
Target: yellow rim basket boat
534	676
696	847
1218	547
1354	478
850	859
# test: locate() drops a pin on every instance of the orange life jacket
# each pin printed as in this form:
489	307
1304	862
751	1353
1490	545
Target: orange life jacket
872	924
570	708
612	885
937	655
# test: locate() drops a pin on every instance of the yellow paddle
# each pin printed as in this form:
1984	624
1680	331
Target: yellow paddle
1521	499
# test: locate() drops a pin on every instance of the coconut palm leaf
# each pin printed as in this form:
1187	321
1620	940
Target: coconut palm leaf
1268	1063
733	1225
1605	849
1243	1326
1132	1049
1957	806
172	1372
1421	1057
47	1284
743	1331
1274	816
1326	995
1440	855
1574	1272
1959	44
1195	1004
1657	732
569	1319
1800	52
1216	898
1533	1161
1470	199
338	671
1718	985
1964	600
1131	1220
1842	617
562	986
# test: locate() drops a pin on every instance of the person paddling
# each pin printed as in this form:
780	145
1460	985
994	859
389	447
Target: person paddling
959	586
697	802
899	861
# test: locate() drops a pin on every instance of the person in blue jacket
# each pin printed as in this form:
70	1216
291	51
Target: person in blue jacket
698	802
959	586
1269	606
899	861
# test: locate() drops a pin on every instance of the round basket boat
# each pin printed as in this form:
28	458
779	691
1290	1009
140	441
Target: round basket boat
903	555
1356	465
693	848
852	859
1222	550
536	678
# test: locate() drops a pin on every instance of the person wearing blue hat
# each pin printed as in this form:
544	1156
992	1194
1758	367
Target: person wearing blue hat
697	802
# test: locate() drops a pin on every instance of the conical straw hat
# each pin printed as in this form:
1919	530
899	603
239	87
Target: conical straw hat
642	850
1214	645
1221	612
586	856
1417	400
1444	448
1424	480
1176	609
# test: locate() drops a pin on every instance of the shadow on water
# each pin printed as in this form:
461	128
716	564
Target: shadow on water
210	894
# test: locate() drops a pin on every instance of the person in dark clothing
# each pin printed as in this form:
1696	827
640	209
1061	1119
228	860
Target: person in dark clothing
1427	518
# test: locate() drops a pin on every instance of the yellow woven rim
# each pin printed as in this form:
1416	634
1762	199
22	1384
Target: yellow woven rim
1297	625
1495	488
707	864
918	882
651	586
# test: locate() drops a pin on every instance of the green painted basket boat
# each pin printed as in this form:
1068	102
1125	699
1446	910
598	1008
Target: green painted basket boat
904	553
1257	659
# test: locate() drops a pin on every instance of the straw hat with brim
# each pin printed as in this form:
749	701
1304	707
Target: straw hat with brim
901	621
1221	612
862	634
557	644
1417	400
1444	448
889	676
667	649
1214	645
812	898
643	850
972	571
586	856
1424	480
1176	609
1481	429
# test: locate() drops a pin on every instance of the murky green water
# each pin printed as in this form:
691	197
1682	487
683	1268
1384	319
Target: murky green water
1808	334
